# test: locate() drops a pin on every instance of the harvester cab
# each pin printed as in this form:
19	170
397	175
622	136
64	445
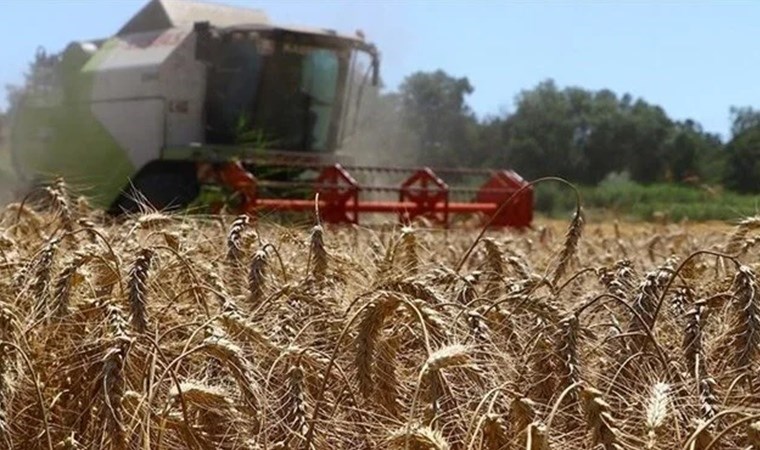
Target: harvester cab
188	95
293	84
183	83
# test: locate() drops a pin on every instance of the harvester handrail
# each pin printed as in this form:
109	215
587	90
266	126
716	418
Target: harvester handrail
373	168
376	188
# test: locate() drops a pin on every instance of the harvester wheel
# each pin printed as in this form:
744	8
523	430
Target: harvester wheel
163	185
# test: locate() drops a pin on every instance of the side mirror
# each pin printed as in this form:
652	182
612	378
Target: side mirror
375	55
375	70
203	42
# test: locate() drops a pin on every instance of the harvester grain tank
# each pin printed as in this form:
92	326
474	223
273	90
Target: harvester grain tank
188	94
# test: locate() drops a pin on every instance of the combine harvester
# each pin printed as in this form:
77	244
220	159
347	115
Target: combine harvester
190	94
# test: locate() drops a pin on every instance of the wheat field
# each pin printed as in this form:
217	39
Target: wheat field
163	331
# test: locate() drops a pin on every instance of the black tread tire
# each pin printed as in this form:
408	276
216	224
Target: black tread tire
166	185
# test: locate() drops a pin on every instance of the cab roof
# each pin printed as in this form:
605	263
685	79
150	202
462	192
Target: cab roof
163	14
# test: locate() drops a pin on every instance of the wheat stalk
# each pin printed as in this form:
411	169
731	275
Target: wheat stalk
69	443
89	227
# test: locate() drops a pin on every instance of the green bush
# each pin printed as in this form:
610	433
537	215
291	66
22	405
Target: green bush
626	199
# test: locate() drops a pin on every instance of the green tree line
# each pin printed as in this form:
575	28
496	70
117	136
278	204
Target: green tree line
579	134
582	135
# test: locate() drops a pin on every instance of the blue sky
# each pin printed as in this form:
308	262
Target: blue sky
694	58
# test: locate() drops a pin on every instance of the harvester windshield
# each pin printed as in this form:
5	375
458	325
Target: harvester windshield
283	90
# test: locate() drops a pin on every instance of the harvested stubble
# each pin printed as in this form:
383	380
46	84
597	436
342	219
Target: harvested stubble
169	332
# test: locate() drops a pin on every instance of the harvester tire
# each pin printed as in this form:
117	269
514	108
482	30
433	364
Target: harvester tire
164	185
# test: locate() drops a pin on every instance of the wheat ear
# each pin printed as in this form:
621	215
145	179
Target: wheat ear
112	375
644	304
570	247
256	277
494	258
494	432
740	232
234	238
746	331
599	421
520	267
408	246
208	398
153	221
59	193
416	438
138	289
522	413
657	411
387	379
65	282
318	253
703	437
370	328
231	356
69	443
567	351
753	435
295	404
537	437
693	350
43	268
239	327
708	402
443	358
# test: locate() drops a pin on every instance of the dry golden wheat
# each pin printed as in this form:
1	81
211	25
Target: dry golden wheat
173	332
